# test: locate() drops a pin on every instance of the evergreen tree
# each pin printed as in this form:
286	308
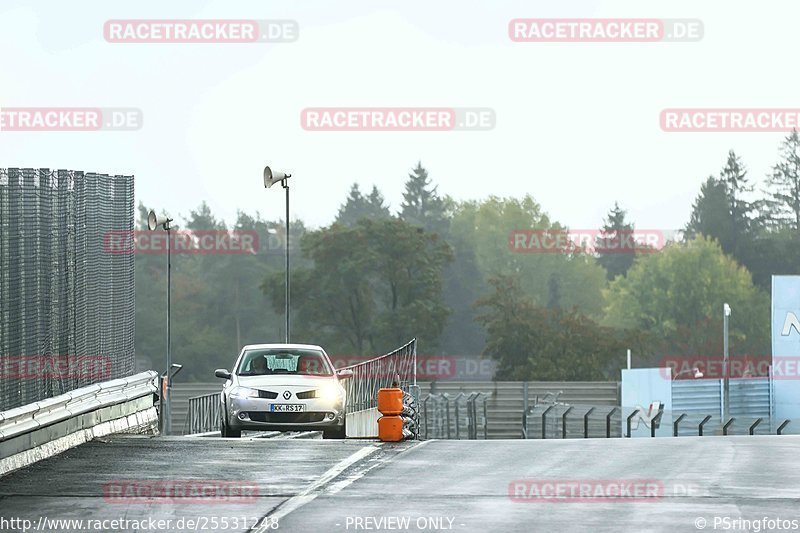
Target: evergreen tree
358	206
721	210
617	238
784	184
422	205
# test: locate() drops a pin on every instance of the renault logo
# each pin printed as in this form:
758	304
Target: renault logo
287	395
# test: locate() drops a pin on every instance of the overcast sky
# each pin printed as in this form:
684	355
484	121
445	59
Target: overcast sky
577	123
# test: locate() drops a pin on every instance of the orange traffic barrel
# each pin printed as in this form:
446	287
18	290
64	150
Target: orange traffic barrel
390	428
390	401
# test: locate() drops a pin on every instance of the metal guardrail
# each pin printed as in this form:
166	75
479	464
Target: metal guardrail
27	418
204	413
461	417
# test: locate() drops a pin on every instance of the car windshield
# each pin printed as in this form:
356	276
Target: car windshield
295	361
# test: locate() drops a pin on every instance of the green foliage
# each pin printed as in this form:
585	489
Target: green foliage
370	287
677	296
487	225
531	342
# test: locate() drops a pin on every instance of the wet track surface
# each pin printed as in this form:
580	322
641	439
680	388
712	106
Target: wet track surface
357	485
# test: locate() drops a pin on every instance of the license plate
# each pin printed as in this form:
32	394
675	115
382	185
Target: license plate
287	407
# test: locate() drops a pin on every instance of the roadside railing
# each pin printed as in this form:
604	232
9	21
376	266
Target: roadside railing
463	416
204	413
550	419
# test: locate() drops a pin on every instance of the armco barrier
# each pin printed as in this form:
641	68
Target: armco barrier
33	432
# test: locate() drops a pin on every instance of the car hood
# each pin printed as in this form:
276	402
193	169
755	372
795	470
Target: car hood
259	382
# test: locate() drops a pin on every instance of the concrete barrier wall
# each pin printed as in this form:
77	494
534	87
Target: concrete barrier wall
36	431
363	423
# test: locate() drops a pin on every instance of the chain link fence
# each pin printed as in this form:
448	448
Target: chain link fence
66	303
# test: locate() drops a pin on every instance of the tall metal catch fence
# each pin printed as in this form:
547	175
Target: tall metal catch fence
66	302
399	366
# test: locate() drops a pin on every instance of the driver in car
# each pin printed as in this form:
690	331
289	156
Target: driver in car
259	365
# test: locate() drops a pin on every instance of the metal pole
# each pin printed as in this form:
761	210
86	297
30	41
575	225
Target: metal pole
286	186
168	410
726	362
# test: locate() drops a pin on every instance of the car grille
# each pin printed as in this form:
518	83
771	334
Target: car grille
307	395
287	418
267	394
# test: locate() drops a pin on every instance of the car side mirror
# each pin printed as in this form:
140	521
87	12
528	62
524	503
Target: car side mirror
344	373
222	373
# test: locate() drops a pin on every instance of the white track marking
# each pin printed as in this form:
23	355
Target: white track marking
295	502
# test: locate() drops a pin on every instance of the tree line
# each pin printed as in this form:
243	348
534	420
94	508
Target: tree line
442	270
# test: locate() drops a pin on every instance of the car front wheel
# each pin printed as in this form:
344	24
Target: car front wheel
338	433
225	431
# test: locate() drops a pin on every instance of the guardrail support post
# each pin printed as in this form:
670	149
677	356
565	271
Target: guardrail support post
544	422
727	425
753	427
675	424
780	428
608	421
564	422
630	416
586	422
654	423
703	423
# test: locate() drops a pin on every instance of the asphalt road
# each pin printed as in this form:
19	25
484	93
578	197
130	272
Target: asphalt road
667	484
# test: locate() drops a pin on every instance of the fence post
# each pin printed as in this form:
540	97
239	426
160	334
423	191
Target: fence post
753	427
654	423
586	422
447	412
524	396
564	422
525	424
608	421
544	421
630	416
425	415
780	428
458	419
675	424
727	425
703	423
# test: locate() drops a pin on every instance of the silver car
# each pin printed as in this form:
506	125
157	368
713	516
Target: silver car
283	387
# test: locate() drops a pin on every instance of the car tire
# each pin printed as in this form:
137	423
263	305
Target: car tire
338	433
225	431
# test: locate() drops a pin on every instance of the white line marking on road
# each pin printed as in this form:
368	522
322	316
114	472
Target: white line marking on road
308	495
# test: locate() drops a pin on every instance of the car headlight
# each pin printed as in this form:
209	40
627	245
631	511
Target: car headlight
244	391
332	392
